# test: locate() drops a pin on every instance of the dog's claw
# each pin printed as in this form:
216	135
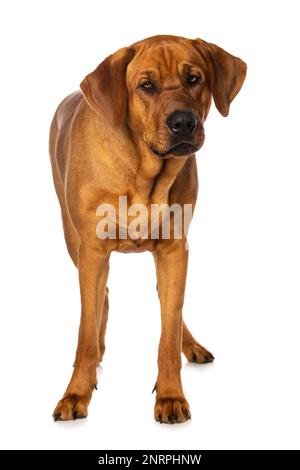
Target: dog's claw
57	416
170	419
171	410
198	354
77	415
209	358
95	386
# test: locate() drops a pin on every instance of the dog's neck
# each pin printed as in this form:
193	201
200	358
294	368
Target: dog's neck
154	176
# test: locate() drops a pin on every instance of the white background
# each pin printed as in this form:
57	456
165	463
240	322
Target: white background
242	298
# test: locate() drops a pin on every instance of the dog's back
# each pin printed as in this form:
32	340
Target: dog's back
60	134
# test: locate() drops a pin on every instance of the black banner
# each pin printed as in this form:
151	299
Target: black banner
134	458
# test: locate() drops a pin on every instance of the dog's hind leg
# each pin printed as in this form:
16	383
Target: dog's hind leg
192	350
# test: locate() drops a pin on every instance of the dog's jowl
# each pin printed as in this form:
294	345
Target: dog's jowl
130	137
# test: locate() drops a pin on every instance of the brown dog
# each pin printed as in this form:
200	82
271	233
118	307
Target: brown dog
133	130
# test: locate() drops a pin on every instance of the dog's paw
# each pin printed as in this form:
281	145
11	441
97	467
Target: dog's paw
197	353
171	410
71	407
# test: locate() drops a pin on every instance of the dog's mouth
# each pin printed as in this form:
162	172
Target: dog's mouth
181	150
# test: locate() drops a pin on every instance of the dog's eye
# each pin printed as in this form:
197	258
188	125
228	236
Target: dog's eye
193	79
147	86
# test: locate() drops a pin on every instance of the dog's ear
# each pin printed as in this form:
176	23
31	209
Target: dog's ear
105	88
227	73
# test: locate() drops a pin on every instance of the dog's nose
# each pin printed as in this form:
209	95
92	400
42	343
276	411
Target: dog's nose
182	123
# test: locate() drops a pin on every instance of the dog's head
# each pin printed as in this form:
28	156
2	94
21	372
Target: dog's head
161	88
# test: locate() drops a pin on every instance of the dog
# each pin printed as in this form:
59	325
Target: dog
133	130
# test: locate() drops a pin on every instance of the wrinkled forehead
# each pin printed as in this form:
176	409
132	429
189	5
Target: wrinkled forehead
163	59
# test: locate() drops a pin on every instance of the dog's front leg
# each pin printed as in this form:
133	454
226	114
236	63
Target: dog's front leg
93	272
171	259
